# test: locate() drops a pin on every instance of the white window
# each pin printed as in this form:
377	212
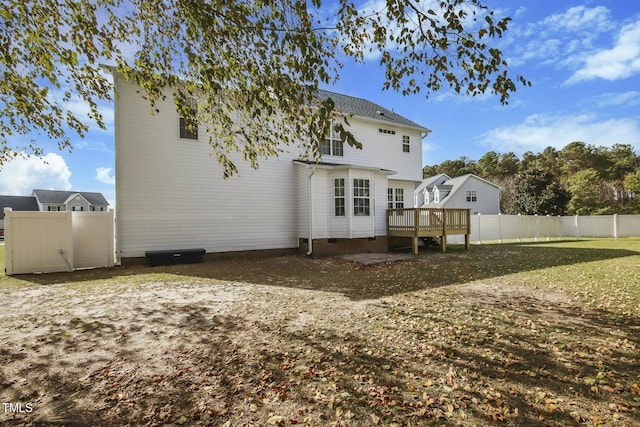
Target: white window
472	196
406	143
332	144
395	198
427	196
338	196
399	198
361	197
189	126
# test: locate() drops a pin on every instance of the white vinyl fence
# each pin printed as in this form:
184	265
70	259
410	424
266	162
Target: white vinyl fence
545	227
46	242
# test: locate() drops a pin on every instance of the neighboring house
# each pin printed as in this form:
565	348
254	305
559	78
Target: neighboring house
170	191
466	191
16	203
54	200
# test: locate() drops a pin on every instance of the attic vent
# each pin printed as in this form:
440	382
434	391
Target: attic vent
392	132
380	113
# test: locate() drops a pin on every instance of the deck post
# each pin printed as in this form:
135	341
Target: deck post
444	230
416	231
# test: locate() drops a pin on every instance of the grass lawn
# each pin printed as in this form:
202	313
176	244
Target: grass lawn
541	333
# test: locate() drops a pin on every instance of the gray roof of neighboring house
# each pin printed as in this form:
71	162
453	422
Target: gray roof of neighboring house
431	181
60	197
361	107
17	203
451	185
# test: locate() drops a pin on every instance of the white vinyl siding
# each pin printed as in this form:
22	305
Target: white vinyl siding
172	195
378	150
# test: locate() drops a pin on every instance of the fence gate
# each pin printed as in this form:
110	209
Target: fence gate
46	242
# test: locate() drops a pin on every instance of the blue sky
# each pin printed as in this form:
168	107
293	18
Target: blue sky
582	57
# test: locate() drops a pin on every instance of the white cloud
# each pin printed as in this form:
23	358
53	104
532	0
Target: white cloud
540	131
473	18
558	38
82	110
104	175
625	99
20	176
619	62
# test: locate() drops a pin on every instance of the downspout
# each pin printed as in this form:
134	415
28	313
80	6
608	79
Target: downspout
310	239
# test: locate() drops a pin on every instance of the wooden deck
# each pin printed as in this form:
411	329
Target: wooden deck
428	222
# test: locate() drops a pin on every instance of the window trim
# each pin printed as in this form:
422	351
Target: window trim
395	198
406	144
332	145
361	197
339	194
471	196
184	131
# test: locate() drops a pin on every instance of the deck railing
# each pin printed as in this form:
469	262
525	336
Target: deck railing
428	222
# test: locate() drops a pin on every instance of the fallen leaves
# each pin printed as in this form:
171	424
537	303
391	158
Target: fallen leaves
513	349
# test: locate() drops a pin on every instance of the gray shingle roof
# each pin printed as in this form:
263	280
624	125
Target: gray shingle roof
17	203
361	107
59	197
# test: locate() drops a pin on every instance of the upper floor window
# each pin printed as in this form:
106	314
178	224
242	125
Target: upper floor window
361	197
406	143
338	196
332	144
389	131
472	196
189	126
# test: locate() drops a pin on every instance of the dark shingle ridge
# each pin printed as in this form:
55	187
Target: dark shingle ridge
361	107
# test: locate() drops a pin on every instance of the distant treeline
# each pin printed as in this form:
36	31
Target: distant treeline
580	179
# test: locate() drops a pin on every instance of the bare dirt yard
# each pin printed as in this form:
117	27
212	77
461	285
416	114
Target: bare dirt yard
541	334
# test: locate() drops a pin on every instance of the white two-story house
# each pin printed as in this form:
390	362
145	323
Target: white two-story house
170	191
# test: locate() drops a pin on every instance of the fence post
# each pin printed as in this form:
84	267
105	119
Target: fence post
577	228
559	227
536	227
499	227
519	228
548	227
615	226
479	222
8	242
